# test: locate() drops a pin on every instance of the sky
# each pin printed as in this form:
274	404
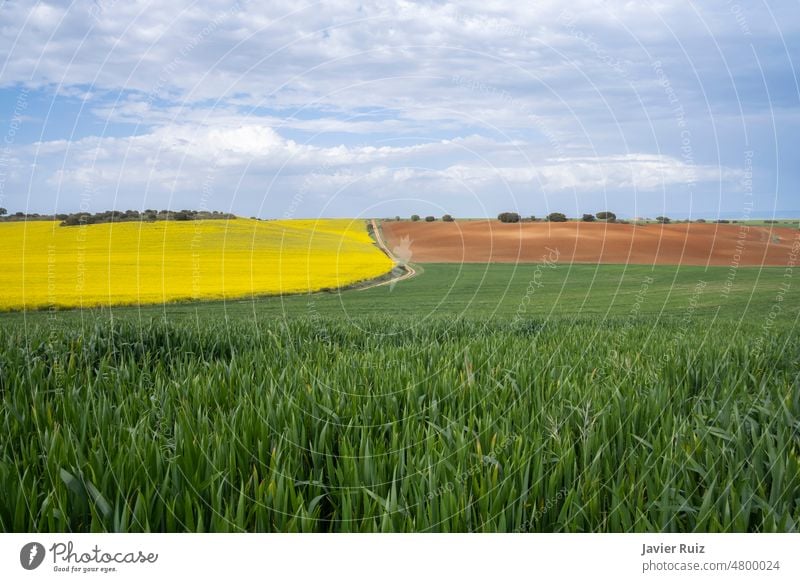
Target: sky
375	109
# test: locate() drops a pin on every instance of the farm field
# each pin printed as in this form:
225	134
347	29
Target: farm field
774	223
472	397
499	291
594	242
48	265
399	268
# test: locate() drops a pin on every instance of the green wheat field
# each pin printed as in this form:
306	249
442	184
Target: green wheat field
486	398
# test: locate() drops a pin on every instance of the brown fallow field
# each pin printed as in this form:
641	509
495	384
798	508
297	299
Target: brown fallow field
483	241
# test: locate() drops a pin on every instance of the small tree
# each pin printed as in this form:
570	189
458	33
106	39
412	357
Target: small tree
414	217
508	217
3	211
556	217
663	219
430	218
607	216
447	218
700	220
588	218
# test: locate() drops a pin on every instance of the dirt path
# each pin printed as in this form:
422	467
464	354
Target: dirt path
409	270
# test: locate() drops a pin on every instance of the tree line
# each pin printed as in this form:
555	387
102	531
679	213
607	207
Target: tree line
604	216
149	215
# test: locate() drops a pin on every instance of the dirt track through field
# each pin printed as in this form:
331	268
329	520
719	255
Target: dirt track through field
408	269
484	241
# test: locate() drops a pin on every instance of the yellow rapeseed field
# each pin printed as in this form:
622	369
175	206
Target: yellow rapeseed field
47	265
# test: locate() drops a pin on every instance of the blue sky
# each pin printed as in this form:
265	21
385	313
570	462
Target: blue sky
279	109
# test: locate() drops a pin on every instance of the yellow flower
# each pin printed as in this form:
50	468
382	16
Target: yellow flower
47	265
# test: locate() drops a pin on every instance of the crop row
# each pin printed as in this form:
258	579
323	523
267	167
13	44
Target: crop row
379	424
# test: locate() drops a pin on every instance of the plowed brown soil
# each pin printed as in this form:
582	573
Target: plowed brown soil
482	241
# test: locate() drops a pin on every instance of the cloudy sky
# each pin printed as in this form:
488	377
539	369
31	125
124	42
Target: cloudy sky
340	108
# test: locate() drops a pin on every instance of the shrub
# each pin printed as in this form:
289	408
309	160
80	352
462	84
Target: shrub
447	218
663	219
556	217
606	215
588	218
430	218
414	217
508	217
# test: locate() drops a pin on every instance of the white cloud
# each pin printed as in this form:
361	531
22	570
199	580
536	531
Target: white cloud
440	96
184	154
391	54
